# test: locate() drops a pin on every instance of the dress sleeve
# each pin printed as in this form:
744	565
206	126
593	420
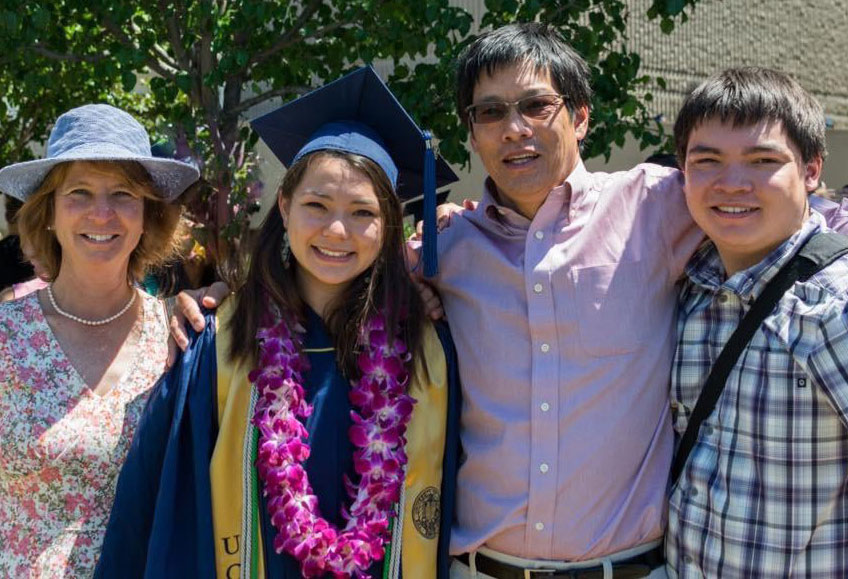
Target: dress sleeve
161	521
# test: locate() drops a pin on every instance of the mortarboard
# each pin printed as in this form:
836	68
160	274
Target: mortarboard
358	114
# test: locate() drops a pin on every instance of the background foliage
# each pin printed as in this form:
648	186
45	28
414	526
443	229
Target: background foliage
192	70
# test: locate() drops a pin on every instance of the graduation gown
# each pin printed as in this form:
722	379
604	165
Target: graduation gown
188	502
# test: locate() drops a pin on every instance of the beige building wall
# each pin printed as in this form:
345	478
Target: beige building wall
806	38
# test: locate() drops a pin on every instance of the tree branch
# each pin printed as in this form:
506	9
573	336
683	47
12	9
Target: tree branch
171	23
164	58
251	102
156	51
321	32
290	37
155	65
39	48
206	63
564	7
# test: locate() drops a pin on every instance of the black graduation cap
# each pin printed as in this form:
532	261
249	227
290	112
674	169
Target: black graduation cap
358	114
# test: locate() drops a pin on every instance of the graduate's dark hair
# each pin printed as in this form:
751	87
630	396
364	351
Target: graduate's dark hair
385	286
533	42
748	95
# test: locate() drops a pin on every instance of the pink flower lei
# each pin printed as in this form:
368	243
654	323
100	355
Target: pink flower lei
381	412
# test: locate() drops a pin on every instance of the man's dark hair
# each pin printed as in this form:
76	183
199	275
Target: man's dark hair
748	95
539	44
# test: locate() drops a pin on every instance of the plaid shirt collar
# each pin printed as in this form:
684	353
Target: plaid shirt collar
706	269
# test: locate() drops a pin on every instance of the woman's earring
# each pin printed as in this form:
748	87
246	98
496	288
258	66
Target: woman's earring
285	251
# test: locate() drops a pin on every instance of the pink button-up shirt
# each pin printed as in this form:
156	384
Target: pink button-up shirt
564	326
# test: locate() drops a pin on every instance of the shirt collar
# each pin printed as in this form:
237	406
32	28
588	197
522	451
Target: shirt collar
570	191
706	269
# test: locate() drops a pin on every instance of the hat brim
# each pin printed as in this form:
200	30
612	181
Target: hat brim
171	177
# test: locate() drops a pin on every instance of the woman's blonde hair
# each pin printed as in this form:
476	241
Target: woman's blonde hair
159	243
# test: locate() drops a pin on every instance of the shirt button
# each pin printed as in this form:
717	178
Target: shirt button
540	235
545	406
538	288
540	526
802	382
546	348
543	467
693	492
687	559
723	297
708	430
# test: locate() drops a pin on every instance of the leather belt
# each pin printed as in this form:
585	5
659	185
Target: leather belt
631	568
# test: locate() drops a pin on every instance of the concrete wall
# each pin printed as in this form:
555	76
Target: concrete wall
805	38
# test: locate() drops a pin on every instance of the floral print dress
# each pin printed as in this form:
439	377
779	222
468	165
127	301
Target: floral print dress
62	445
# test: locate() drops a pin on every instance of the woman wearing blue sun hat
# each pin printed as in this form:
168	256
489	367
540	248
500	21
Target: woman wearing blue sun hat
328	445
78	358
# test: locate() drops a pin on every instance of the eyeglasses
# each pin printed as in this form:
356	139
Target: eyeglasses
537	106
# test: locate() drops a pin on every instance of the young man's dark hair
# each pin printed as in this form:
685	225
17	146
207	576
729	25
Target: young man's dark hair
747	95
539	44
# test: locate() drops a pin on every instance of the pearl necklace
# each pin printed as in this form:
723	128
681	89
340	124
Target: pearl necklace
102	322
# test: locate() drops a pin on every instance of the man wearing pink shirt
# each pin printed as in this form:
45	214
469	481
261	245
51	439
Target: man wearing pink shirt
560	292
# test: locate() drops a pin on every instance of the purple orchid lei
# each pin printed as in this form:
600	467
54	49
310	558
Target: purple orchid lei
382	410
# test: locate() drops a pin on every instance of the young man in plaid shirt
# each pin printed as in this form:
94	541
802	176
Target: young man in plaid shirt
764	492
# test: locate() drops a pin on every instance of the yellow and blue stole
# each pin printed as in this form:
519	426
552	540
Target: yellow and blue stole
239	539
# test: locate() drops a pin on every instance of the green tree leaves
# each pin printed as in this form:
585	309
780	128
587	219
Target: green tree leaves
193	70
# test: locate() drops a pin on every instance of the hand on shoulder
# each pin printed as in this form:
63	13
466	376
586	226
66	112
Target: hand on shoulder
185	307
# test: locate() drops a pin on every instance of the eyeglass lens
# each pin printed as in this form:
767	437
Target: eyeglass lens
532	107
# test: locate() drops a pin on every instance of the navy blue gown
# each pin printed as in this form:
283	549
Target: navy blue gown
161	522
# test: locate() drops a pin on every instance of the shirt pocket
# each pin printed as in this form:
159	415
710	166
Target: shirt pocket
612	317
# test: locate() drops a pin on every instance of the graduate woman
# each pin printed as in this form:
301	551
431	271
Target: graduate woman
327	446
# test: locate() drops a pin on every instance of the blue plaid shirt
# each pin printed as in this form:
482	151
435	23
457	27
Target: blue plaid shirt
765	490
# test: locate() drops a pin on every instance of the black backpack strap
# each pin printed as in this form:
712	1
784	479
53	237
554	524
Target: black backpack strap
817	253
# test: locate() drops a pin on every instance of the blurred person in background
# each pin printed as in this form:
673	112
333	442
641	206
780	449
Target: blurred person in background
37	282
14	267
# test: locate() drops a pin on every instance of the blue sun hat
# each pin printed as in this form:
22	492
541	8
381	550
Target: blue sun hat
358	114
97	132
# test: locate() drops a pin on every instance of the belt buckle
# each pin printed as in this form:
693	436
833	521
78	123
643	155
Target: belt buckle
548	573
558	573
624	571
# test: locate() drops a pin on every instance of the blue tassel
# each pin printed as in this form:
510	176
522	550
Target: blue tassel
431	259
